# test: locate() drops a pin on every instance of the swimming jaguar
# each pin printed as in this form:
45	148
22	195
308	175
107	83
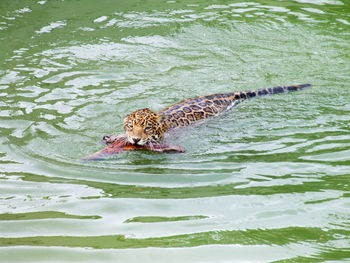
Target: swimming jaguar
145	127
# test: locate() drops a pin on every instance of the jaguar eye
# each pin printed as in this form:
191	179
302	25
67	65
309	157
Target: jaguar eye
129	126
148	129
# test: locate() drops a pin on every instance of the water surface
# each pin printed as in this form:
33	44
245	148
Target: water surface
266	182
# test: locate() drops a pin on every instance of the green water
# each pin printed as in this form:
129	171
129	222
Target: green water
266	182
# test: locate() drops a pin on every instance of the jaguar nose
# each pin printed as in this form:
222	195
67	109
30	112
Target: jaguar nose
136	140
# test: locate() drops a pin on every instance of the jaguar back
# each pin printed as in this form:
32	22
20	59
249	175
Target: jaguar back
191	110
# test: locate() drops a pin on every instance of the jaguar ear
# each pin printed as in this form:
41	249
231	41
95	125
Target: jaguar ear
127	115
162	118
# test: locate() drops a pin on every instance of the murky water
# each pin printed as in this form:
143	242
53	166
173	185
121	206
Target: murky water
266	182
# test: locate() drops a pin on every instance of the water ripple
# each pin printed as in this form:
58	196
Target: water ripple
270	175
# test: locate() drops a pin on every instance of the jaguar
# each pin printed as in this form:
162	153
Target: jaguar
145	127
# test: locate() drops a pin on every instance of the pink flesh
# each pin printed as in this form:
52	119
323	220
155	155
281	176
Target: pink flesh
121	144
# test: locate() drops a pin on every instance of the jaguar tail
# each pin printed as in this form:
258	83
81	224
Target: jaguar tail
269	91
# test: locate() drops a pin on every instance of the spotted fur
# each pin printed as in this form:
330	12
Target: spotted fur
145	126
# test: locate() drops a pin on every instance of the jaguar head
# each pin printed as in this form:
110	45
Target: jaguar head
144	126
